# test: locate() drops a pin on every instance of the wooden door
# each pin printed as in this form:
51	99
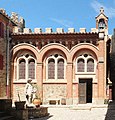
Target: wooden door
82	92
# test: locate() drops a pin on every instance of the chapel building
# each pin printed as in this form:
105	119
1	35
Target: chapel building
71	66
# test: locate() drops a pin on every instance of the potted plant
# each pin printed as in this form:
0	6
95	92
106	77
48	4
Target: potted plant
20	105
37	102
36	99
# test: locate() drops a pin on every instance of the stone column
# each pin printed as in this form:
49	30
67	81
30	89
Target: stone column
39	77
69	83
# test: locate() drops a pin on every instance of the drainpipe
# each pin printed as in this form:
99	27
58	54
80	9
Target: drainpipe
7	61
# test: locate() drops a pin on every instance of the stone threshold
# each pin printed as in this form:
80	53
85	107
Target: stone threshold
78	107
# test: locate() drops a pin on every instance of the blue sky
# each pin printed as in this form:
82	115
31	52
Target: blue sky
61	13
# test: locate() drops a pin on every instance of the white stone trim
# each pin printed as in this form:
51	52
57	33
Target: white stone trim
56	60
85	60
26	74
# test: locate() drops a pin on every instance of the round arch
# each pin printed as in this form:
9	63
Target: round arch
49	48
84	47
24	46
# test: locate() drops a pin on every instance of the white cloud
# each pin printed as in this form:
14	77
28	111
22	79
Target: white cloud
65	23
109	11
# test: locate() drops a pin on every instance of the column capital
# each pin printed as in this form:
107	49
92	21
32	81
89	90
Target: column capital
69	63
39	63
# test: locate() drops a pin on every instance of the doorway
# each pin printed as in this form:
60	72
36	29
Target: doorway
85	91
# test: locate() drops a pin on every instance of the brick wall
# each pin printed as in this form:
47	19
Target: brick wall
2	68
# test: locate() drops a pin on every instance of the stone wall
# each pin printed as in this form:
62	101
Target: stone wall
53	91
18	89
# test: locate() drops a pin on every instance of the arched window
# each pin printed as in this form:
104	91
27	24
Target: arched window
102	24
51	69
85	63
90	65
22	69
26	67
80	65
31	69
60	69
55	67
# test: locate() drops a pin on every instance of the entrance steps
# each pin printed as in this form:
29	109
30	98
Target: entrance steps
78	106
5	116
87	107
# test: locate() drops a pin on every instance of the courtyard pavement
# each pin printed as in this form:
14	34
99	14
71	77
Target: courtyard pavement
101	112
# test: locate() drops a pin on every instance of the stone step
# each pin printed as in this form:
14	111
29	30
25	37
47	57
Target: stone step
7	118
81	108
2	114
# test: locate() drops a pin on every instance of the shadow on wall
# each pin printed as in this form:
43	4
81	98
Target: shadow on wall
110	115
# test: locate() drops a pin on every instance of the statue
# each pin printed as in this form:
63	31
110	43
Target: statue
29	92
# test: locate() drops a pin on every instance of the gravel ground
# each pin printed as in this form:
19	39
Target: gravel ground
74	114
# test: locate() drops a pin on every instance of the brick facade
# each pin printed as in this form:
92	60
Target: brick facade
59	63
2	68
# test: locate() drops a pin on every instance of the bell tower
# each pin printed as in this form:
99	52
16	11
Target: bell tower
102	21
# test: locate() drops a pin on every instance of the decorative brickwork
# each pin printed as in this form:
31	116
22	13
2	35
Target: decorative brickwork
56	61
